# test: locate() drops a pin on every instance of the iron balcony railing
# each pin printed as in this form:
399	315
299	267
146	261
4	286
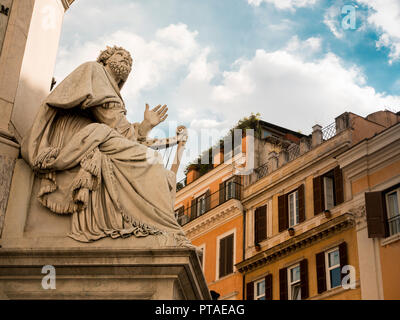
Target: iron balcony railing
207	202
394	225
329	131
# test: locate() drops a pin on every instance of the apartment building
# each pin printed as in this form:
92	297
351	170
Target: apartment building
210	209
321	216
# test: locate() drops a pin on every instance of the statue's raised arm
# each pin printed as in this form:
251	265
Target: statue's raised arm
97	166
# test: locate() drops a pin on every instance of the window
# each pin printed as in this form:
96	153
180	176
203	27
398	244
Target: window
291	208
393	212
329	266
226	255
259	290
333	269
328	190
293	205
180	215
383	212
229	190
201	204
329	197
294	283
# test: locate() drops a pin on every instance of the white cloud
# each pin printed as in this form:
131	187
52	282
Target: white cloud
154	61
332	21
284	4
385	17
286	88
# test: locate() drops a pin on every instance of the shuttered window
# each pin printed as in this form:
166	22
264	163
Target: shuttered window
260	224
226	255
291	208
221	192
328	190
293	282
329	266
268	287
283	284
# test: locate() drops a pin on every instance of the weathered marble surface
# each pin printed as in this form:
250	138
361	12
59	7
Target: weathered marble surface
6	169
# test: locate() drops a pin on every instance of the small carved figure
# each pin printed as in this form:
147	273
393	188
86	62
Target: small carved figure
97	166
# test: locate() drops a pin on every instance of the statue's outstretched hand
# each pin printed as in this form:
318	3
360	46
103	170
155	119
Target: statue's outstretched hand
156	115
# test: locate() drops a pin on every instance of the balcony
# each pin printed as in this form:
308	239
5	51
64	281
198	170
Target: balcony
203	204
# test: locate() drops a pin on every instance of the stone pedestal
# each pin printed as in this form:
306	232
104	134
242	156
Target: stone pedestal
132	268
94	273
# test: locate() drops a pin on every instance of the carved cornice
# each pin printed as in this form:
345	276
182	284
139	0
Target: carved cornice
336	225
67	3
212	218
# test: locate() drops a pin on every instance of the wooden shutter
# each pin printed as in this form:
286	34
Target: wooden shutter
376	215
302	205
208	200
238	182
260	224
193	214
304	279
268	287
339	194
318	191
250	291
226	256
222	192
321	272
283	213
283	284
343	257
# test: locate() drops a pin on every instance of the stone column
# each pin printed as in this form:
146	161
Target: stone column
29	37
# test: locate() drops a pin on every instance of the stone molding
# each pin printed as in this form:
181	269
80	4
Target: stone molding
212	218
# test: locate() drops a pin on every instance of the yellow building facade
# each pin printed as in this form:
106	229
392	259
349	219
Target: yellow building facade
307	219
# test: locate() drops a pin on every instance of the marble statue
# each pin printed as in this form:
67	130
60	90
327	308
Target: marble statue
96	166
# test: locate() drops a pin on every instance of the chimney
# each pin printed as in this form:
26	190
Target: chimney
316	135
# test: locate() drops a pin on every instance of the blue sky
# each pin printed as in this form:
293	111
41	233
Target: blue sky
214	62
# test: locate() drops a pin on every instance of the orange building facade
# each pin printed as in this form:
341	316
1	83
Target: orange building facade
318	217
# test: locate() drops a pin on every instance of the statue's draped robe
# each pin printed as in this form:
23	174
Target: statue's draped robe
91	163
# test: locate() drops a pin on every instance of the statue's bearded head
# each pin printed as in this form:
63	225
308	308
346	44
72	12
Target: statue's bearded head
119	61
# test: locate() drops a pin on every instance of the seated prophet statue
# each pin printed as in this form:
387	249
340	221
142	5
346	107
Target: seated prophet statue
94	165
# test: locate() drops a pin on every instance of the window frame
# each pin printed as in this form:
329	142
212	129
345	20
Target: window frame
296	217
198	204
231	182
289	280
332	179
257	297
328	268
388	216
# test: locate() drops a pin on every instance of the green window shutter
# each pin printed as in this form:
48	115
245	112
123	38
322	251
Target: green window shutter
193	207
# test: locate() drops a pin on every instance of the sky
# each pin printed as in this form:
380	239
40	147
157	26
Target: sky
296	62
